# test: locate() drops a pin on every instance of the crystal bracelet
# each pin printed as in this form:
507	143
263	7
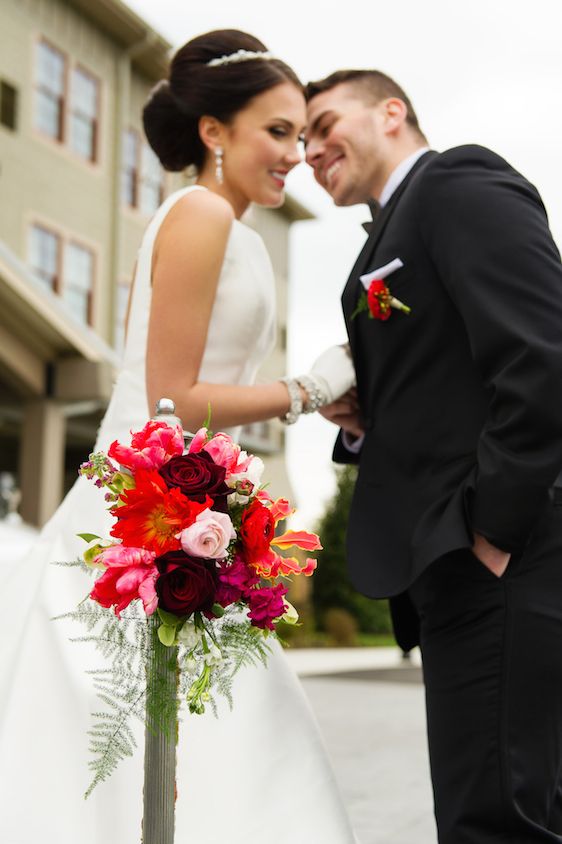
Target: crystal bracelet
295	409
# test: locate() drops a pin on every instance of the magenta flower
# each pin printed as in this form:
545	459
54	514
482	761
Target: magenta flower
235	581
266	605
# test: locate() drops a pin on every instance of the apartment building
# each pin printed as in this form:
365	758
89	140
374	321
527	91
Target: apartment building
78	184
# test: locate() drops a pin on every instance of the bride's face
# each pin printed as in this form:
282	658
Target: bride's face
261	145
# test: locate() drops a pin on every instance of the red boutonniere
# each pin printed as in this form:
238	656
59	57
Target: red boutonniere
377	298
379	302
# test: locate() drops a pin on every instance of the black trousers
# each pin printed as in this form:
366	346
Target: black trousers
492	660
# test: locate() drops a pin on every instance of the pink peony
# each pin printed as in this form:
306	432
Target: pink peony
209	536
235	580
131	573
266	605
224	451
198	441
150	448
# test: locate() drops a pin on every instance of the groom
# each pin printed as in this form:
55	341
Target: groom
457	512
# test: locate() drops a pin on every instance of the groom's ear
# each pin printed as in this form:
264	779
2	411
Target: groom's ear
211	131
394	113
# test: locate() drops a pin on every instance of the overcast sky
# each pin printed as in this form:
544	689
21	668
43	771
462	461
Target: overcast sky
487	72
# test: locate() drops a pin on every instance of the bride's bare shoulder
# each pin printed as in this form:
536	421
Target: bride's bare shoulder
201	207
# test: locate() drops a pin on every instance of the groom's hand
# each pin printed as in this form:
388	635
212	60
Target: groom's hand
493	558
344	412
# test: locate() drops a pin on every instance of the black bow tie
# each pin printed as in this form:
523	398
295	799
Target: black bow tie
375	209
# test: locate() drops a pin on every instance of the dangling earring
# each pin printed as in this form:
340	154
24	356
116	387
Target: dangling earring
218	165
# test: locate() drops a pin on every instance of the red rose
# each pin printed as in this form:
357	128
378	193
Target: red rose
257	529
185	584
378	298
197	475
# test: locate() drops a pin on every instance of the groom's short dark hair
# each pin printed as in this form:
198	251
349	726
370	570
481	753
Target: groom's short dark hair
372	85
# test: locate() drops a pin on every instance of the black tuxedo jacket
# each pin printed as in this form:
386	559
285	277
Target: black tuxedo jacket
462	399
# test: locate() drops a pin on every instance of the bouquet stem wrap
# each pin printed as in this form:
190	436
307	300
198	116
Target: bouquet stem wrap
160	742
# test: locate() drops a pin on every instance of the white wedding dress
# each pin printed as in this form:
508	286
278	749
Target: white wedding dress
257	774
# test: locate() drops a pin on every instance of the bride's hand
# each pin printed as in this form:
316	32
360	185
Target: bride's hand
334	373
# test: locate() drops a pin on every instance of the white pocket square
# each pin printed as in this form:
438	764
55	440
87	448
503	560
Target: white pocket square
381	272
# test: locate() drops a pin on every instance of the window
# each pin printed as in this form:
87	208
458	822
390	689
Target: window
50	91
78	280
151	187
129	173
44	255
142	177
8	105
66	267
83	118
259	437
66	102
121	303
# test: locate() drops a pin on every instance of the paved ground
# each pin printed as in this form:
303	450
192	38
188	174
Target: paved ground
371	711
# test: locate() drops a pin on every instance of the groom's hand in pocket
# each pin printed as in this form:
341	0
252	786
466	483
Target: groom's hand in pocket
493	558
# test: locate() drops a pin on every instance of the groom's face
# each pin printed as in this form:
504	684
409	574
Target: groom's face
345	144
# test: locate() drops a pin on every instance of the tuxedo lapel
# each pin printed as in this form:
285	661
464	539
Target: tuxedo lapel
353	287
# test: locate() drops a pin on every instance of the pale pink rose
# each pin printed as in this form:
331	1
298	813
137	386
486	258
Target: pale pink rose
224	451
209	536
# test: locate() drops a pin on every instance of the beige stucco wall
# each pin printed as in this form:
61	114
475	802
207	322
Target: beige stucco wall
45	182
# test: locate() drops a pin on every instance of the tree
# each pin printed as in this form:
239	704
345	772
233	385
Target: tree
331	587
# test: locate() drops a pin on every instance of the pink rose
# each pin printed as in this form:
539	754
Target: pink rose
266	605
150	448
209	536
131	573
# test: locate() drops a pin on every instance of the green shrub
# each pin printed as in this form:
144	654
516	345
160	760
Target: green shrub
331	587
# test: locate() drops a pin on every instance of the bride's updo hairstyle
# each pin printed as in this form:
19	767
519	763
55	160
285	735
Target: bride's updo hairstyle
195	88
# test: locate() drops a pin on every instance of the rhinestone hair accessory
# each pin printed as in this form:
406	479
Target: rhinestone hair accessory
239	56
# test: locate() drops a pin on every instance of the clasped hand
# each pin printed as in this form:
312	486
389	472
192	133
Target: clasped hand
344	412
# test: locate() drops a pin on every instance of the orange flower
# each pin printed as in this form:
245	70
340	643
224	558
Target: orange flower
298	538
151	515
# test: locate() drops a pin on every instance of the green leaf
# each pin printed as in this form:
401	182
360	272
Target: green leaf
217	610
169	619
167	635
91	553
207	422
88	537
362	305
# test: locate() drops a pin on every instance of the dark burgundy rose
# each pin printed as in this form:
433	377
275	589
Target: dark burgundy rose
185	584
197	475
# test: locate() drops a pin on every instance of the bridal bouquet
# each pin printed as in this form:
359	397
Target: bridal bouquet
193	564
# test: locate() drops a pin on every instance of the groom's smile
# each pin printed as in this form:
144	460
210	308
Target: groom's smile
342	144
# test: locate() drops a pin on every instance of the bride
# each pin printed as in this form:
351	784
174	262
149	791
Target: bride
201	320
